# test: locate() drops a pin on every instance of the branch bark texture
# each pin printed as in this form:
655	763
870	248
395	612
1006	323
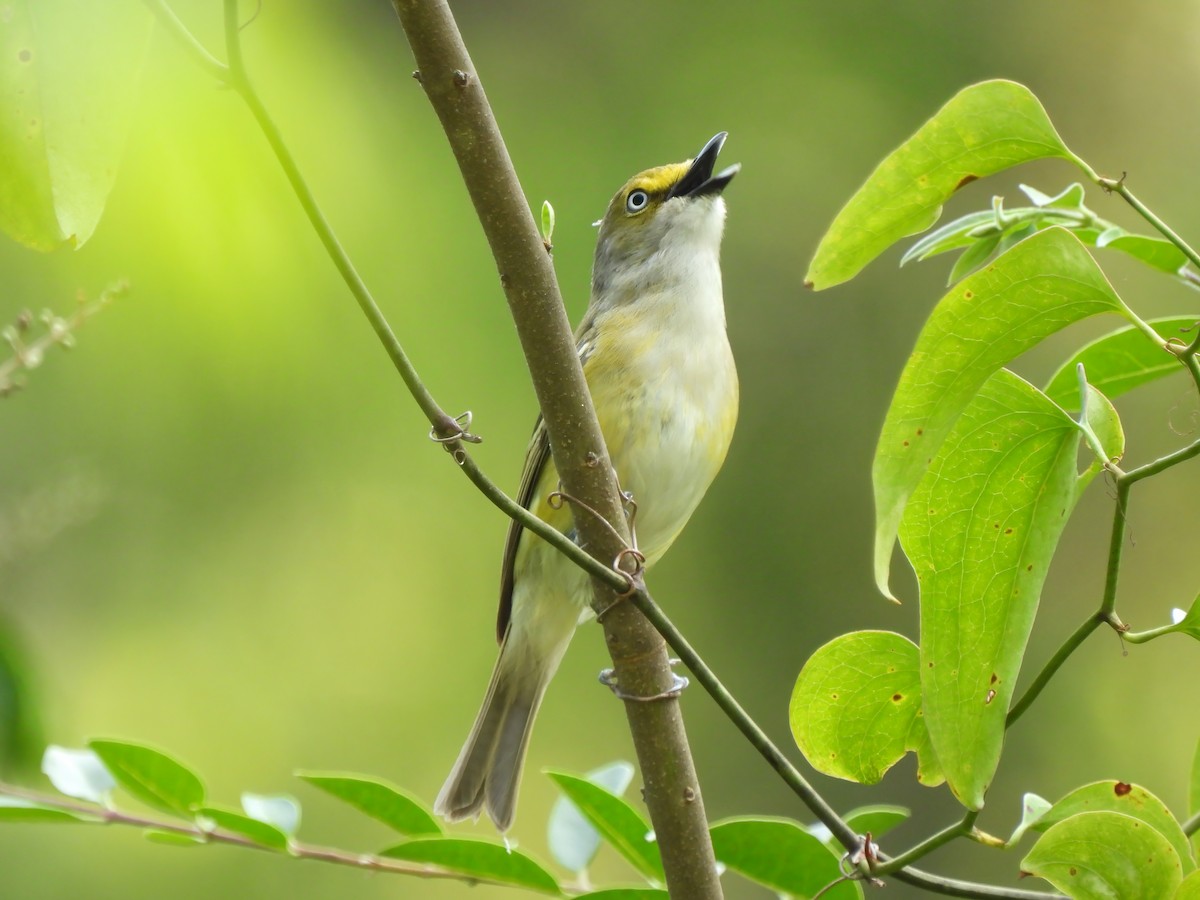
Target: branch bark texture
639	654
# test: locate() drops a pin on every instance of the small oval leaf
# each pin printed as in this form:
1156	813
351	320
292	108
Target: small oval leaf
262	833
378	799
573	840
484	860
152	776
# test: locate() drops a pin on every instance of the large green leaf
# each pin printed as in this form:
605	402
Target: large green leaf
1129	799
152	776
1120	361
378	799
980	531
478	859
1105	856
68	81
1040	286
856	708
781	855
618	822
984	129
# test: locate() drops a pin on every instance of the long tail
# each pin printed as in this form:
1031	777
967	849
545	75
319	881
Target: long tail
488	770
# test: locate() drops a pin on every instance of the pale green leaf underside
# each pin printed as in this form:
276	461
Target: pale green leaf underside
573	840
984	129
1040	286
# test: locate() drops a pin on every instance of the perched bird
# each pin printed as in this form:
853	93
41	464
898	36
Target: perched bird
661	375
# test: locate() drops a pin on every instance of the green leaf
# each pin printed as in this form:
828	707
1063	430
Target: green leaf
278	810
1194	792
1129	799
856	708
1155	252
1071	197
152	776
986	128
68	81
1120	361
78	773
171	838
618	822
484	860
547	222
1033	808
573	840
1038	287
626	894
781	855
973	257
1189	888
1105	855
980	531
18	810
378	799
261	833
876	820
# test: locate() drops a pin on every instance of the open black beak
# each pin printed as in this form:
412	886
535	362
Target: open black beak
699	178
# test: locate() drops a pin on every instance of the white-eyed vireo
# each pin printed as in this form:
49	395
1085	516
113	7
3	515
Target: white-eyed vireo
661	375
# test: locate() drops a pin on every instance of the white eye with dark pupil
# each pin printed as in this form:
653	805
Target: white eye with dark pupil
636	201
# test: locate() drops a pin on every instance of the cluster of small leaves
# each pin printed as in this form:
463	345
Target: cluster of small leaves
976	473
988	233
781	854
29	343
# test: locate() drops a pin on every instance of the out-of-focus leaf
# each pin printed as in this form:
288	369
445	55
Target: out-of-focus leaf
21	738
378	799
1035	289
278	810
618	822
973	257
1129	799
477	859
16	809
572	839
1105	855
856	708
626	894
1189	888
1120	361
781	855
68	80
1155	252
152	776
78	773
171	838
980	531
984	129
260	832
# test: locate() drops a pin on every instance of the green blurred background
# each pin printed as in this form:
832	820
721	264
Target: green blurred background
226	534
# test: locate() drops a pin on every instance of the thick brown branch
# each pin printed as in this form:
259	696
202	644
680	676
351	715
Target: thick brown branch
527	276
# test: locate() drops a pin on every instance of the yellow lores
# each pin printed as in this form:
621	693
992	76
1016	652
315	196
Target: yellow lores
658	365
